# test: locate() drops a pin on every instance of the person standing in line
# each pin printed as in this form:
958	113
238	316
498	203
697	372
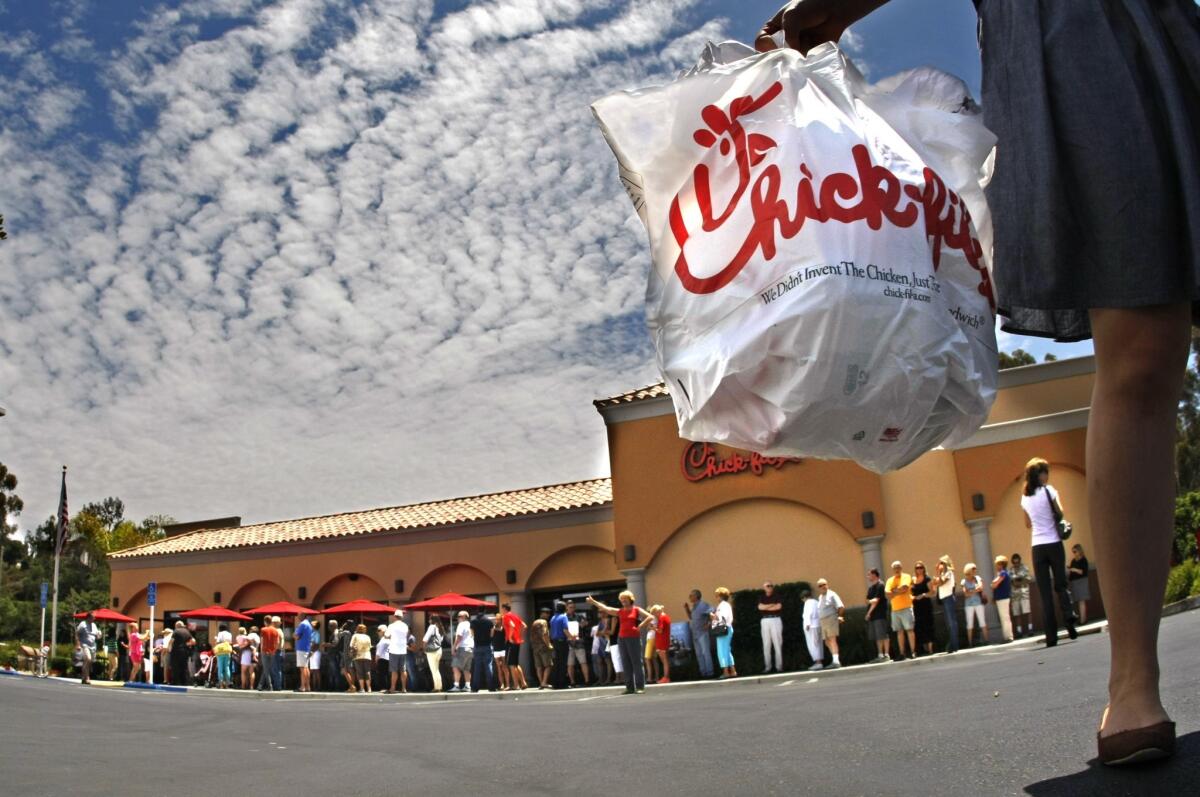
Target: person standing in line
770	612
346	654
397	635
899	591
333	656
485	673
302	642
662	641
922	608
500	652
1002	595
972	587
86	634
181	645
462	654
271	640
314	658
137	648
223	650
698	611
383	659
600	659
943	582
541	648
360	645
630	619
722	617
434	636
1077	582
1022	611
877	630
576	648
832	613
650	634
612	627
277	624
514	635
811	617
1040	500
558	639
123	655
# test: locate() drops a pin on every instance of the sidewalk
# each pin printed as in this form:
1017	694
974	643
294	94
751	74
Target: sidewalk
601	691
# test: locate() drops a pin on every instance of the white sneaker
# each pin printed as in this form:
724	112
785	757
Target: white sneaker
817	666
835	665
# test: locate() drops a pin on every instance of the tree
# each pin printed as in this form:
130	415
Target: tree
11	551
1018	358
1049	358
110	511
1187	523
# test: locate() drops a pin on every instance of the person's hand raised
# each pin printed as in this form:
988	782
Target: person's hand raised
808	23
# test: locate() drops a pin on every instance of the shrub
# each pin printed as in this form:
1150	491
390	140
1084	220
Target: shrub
1195	591
1181	582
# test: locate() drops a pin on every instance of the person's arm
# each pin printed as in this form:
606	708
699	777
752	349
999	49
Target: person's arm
601	607
997	581
646	622
807	23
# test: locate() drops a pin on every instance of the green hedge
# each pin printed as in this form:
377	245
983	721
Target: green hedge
1182	582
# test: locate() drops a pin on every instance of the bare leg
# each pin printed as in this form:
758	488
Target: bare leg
1141	355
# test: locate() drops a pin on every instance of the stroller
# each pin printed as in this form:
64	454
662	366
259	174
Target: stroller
206	674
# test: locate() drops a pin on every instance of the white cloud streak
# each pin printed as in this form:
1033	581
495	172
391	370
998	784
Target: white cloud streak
342	254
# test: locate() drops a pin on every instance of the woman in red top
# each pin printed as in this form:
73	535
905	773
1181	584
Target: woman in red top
630	619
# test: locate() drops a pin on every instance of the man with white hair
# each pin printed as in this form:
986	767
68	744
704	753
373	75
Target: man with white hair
397	650
462	653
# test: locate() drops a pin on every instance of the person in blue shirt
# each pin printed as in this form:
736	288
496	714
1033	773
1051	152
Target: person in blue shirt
302	638
1002	594
558	639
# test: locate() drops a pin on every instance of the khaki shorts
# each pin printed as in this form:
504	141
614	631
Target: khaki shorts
543	658
1019	606
903	620
829	627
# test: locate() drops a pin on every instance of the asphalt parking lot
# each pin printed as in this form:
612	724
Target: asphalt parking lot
1010	720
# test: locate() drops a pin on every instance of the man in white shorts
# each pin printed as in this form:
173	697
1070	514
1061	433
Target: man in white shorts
314	659
832	613
1021	613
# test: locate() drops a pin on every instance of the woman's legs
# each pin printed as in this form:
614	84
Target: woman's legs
435	668
1141	355
950	612
631	661
1081	610
664	666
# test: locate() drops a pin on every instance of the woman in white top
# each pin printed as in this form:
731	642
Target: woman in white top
382	661
724	615
1049	560
972	587
943	581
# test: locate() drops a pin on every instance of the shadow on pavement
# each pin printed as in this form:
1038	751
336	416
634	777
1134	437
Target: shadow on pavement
1174	776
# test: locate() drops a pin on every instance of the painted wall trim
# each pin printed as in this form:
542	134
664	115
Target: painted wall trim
1044	372
637	410
1026	428
384	539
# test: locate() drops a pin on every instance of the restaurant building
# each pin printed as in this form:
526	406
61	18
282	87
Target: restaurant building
674	515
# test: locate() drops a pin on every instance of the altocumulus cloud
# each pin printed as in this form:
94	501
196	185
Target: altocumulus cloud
277	259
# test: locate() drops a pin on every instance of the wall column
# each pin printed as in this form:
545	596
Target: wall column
872	554
981	547
635	582
520	605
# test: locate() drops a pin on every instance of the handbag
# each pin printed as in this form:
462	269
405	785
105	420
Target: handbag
721	628
1062	524
433	645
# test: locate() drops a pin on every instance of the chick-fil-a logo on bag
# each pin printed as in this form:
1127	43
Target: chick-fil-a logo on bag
881	195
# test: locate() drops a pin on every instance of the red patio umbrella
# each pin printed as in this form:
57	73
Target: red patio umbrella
106	616
214	613
360	606
283	609
450	600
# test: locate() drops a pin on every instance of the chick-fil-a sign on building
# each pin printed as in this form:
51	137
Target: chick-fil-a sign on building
700	461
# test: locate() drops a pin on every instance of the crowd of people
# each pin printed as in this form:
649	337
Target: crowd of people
626	643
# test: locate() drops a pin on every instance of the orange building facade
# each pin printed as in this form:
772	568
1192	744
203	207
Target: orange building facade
674	515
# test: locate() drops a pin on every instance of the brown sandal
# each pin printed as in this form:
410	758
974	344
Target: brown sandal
1137	746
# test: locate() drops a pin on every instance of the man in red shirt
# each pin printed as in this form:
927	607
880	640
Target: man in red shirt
272	639
514	635
662	642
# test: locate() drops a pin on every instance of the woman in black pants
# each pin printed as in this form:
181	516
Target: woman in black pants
1039	501
630	619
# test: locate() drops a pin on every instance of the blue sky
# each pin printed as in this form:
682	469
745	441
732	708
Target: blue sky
275	258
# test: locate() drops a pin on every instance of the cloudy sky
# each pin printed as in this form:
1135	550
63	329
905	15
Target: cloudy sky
275	259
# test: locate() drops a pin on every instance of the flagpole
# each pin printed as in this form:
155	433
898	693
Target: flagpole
60	536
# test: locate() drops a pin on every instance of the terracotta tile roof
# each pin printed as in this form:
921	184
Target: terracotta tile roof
537	500
641	394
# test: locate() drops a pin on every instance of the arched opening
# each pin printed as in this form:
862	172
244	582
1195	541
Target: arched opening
172	599
460	578
257	593
348	587
580	564
740	544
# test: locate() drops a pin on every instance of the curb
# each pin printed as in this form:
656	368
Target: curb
1178	607
154	687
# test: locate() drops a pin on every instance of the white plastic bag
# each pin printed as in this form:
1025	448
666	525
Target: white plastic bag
819	288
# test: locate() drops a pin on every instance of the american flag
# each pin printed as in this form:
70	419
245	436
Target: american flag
64	518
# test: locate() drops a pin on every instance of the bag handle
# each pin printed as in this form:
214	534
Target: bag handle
1054	510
